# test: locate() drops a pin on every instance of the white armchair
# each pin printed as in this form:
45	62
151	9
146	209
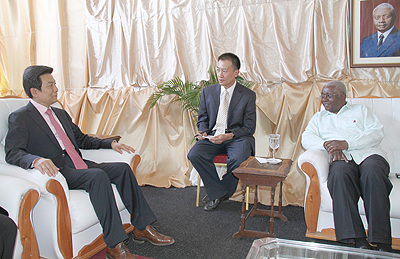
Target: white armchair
18	197
64	221
315	165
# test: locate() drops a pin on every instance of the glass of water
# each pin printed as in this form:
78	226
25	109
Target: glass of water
274	143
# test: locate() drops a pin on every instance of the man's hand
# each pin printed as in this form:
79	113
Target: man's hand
119	147
200	135
221	138
337	156
45	166
335	145
335	149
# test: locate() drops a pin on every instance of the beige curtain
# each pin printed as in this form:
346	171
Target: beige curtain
109	55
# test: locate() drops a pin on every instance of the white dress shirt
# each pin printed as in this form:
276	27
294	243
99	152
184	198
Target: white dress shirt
354	123
221	96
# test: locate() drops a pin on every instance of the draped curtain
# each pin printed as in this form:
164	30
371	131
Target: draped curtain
109	55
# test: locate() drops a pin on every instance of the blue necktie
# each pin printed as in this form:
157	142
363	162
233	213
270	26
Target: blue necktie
380	40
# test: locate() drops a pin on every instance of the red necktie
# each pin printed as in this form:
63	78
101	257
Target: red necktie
76	159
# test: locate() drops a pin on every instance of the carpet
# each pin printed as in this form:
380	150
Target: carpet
102	255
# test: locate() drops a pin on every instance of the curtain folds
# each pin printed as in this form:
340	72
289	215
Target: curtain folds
109	55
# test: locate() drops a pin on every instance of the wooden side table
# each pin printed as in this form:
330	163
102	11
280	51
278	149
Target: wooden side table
251	172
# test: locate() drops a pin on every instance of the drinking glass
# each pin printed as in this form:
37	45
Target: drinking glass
274	143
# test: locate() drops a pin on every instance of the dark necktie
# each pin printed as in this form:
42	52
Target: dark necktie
76	159
380	40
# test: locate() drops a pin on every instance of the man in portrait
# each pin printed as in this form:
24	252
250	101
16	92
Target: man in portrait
386	41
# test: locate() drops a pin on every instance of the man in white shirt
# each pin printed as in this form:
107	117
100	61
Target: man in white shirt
351	134
386	41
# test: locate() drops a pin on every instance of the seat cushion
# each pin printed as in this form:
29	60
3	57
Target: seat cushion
82	212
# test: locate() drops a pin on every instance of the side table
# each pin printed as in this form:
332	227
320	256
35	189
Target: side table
251	172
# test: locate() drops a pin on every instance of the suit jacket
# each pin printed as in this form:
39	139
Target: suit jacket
241	112
29	137
3	211
389	48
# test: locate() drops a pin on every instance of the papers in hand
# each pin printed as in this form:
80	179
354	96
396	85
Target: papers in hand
208	136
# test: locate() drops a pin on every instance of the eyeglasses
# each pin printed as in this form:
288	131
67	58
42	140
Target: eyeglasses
328	96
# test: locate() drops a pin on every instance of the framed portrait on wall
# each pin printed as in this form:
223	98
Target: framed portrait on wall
375	35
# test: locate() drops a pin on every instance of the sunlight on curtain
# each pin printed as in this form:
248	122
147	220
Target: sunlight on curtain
108	57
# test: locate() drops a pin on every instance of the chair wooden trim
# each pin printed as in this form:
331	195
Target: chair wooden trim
64	228
28	238
313	199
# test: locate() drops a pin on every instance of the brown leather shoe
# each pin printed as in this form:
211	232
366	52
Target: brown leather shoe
151	235
120	251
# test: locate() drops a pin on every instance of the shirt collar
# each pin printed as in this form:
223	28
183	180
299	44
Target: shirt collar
343	109
386	33
230	89
41	108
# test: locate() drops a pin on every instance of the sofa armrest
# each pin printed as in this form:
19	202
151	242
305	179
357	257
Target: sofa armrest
110	155
315	165
18	197
34	176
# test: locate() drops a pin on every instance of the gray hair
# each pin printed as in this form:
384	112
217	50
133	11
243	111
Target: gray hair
338	86
384	5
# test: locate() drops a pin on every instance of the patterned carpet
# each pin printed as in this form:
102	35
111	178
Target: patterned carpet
102	255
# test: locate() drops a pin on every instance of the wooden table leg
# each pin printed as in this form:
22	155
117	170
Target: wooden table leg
280	214
271	217
242	217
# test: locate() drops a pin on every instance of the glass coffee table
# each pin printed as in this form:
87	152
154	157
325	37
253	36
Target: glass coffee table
281	248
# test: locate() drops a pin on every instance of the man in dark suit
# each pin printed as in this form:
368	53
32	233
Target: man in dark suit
386	41
45	138
8	234
227	112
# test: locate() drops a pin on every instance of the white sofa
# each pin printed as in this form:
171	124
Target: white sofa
18	196
64	221
315	165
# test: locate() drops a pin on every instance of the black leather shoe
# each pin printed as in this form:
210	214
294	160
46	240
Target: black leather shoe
205	199
214	203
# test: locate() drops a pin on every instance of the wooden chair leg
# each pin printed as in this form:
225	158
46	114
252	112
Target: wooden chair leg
198	191
247	197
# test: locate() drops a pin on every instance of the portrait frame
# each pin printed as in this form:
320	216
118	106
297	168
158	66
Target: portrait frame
361	14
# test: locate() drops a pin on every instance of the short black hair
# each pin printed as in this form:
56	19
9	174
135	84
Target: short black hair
31	79
232	57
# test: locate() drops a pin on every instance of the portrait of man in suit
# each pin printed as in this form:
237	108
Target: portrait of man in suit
226	124
386	41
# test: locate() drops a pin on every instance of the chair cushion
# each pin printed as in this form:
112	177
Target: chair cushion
82	212
220	159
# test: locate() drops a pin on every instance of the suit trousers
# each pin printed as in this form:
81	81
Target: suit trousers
8	232
202	155
96	180
347	182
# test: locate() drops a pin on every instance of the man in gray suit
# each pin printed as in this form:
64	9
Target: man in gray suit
226	124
